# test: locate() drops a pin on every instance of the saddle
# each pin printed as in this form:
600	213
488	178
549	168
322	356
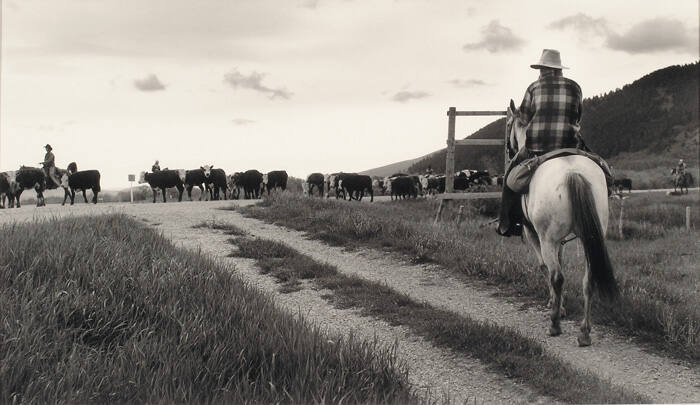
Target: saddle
519	177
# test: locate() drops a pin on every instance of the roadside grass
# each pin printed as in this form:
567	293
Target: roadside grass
504	350
227	228
655	263
104	310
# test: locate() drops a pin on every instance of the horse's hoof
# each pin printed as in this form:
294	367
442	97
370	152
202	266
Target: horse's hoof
584	340
554	330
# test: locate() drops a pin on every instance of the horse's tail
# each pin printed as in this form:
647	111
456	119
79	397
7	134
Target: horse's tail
588	228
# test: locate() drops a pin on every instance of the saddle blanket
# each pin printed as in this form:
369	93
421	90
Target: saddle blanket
519	177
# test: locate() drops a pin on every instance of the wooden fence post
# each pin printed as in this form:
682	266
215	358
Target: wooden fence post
622	212
459	215
687	218
439	211
450	156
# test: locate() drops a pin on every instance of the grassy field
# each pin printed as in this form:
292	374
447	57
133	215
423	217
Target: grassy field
655	260
506	351
102	309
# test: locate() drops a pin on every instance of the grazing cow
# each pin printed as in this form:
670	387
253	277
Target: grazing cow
31	178
621	184
252	181
163	180
355	185
73	180
403	187
316	180
274	179
216	181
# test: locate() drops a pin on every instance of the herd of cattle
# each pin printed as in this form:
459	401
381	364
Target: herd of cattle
250	184
353	186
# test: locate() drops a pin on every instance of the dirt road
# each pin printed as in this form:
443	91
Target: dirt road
442	372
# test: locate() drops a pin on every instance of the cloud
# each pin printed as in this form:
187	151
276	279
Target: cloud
467	83
655	35
582	23
649	36
312	4
149	83
254	82
404	96
242	121
496	38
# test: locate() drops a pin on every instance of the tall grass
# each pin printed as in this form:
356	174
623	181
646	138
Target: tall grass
658	302
102	309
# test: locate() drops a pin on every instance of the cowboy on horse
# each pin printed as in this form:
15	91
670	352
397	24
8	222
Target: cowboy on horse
551	109
551	113
566	195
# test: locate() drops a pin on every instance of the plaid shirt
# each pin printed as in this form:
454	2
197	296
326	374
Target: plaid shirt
552	109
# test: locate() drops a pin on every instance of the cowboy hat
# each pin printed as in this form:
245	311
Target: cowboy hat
48	146
550	59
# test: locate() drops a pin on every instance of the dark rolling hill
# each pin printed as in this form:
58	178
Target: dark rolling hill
649	123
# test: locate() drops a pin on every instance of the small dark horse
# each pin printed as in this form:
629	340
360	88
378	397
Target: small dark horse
681	180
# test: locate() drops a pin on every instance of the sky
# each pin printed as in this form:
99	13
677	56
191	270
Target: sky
297	85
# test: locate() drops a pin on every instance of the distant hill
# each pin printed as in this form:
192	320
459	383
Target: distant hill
651	122
390	169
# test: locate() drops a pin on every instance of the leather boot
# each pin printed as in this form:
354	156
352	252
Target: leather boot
507	226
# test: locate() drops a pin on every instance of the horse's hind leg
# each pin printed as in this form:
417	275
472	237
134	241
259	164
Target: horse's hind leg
550	256
534	240
584	337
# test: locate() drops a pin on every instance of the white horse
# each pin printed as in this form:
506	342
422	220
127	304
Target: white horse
566	195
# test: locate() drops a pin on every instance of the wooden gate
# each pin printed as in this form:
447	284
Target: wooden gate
449	194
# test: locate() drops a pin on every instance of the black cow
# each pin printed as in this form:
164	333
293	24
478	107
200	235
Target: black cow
235	183
83	180
403	187
355	185
480	177
215	182
31	178
622	184
317	180
274	179
252	181
334	183
196	178
460	183
163	180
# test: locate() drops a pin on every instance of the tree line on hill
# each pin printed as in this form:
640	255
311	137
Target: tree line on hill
647	115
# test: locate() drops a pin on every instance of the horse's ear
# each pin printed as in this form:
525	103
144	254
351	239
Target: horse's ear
512	106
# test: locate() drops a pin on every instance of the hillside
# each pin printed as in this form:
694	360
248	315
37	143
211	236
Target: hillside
649	123
394	167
